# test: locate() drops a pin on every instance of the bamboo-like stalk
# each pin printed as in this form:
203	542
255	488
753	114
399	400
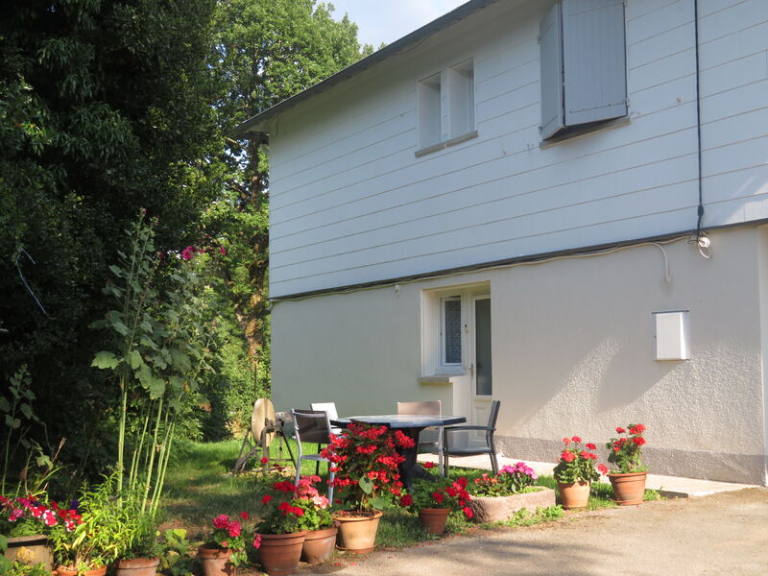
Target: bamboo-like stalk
161	461
137	450
152	455
161	477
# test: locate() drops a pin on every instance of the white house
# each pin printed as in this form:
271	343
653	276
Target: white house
559	205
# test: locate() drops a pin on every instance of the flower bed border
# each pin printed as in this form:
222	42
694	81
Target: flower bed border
501	508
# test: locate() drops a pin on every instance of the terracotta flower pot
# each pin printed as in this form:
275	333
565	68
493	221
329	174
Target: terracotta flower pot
279	554
71	571
138	567
628	489
574	495
434	519
30	550
318	545
215	561
358	533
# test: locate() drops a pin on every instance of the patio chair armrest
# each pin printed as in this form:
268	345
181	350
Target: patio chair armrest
458	428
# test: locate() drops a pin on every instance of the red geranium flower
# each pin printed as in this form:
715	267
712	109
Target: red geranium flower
591	446
576	439
568	456
620	430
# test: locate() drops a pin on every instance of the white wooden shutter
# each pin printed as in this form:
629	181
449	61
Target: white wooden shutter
594	60
550	39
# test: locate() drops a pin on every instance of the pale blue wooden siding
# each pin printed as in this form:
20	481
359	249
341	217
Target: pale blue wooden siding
350	202
594	60
550	38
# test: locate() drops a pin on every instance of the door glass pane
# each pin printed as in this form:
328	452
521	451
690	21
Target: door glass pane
483	383
452	330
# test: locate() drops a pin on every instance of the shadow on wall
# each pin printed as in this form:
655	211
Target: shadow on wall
589	378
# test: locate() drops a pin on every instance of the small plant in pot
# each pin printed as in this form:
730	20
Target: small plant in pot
317	520
225	548
435	499
625	452
92	534
142	550
576	469
365	459
280	535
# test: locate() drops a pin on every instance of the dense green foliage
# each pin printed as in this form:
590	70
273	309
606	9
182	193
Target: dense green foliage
110	106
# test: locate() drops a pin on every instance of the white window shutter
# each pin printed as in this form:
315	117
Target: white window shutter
550	38
594	60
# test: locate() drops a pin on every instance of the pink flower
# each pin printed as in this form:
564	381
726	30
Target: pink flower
257	541
188	253
15	515
223	250
244	515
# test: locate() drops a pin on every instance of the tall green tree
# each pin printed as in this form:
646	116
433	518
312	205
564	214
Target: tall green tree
266	51
105	107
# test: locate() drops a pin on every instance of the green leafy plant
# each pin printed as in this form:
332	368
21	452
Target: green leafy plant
161	347
18	417
510	480
366	461
98	535
576	464
625	452
174	556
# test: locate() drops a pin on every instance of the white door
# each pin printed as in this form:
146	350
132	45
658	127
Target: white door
482	366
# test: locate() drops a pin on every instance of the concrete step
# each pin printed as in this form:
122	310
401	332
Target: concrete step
668	486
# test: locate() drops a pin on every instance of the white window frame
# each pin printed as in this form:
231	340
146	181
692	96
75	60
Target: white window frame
450	95
443	332
433	328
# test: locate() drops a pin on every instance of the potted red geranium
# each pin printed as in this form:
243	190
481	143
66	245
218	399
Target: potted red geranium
281	533
436	498
365	459
226	547
575	470
628	481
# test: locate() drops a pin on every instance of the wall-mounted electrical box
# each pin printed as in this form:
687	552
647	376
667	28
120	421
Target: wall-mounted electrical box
672	335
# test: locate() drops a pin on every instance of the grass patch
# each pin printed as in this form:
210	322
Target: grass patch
199	486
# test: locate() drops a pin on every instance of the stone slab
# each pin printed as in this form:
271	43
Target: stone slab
500	508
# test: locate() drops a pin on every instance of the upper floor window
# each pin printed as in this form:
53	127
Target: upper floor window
583	65
446	107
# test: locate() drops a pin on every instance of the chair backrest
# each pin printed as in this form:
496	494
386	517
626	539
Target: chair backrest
494	414
327	407
430	408
311	426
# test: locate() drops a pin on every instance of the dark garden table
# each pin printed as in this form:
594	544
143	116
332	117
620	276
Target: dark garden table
411	426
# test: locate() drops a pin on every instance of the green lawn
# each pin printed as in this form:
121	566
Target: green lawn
199	486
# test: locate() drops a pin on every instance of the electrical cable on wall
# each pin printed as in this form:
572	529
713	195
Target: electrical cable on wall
19	252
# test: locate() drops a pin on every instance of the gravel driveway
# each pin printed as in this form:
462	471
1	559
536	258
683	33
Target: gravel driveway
725	533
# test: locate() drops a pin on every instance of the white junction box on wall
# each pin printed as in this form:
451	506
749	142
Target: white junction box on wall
672	335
